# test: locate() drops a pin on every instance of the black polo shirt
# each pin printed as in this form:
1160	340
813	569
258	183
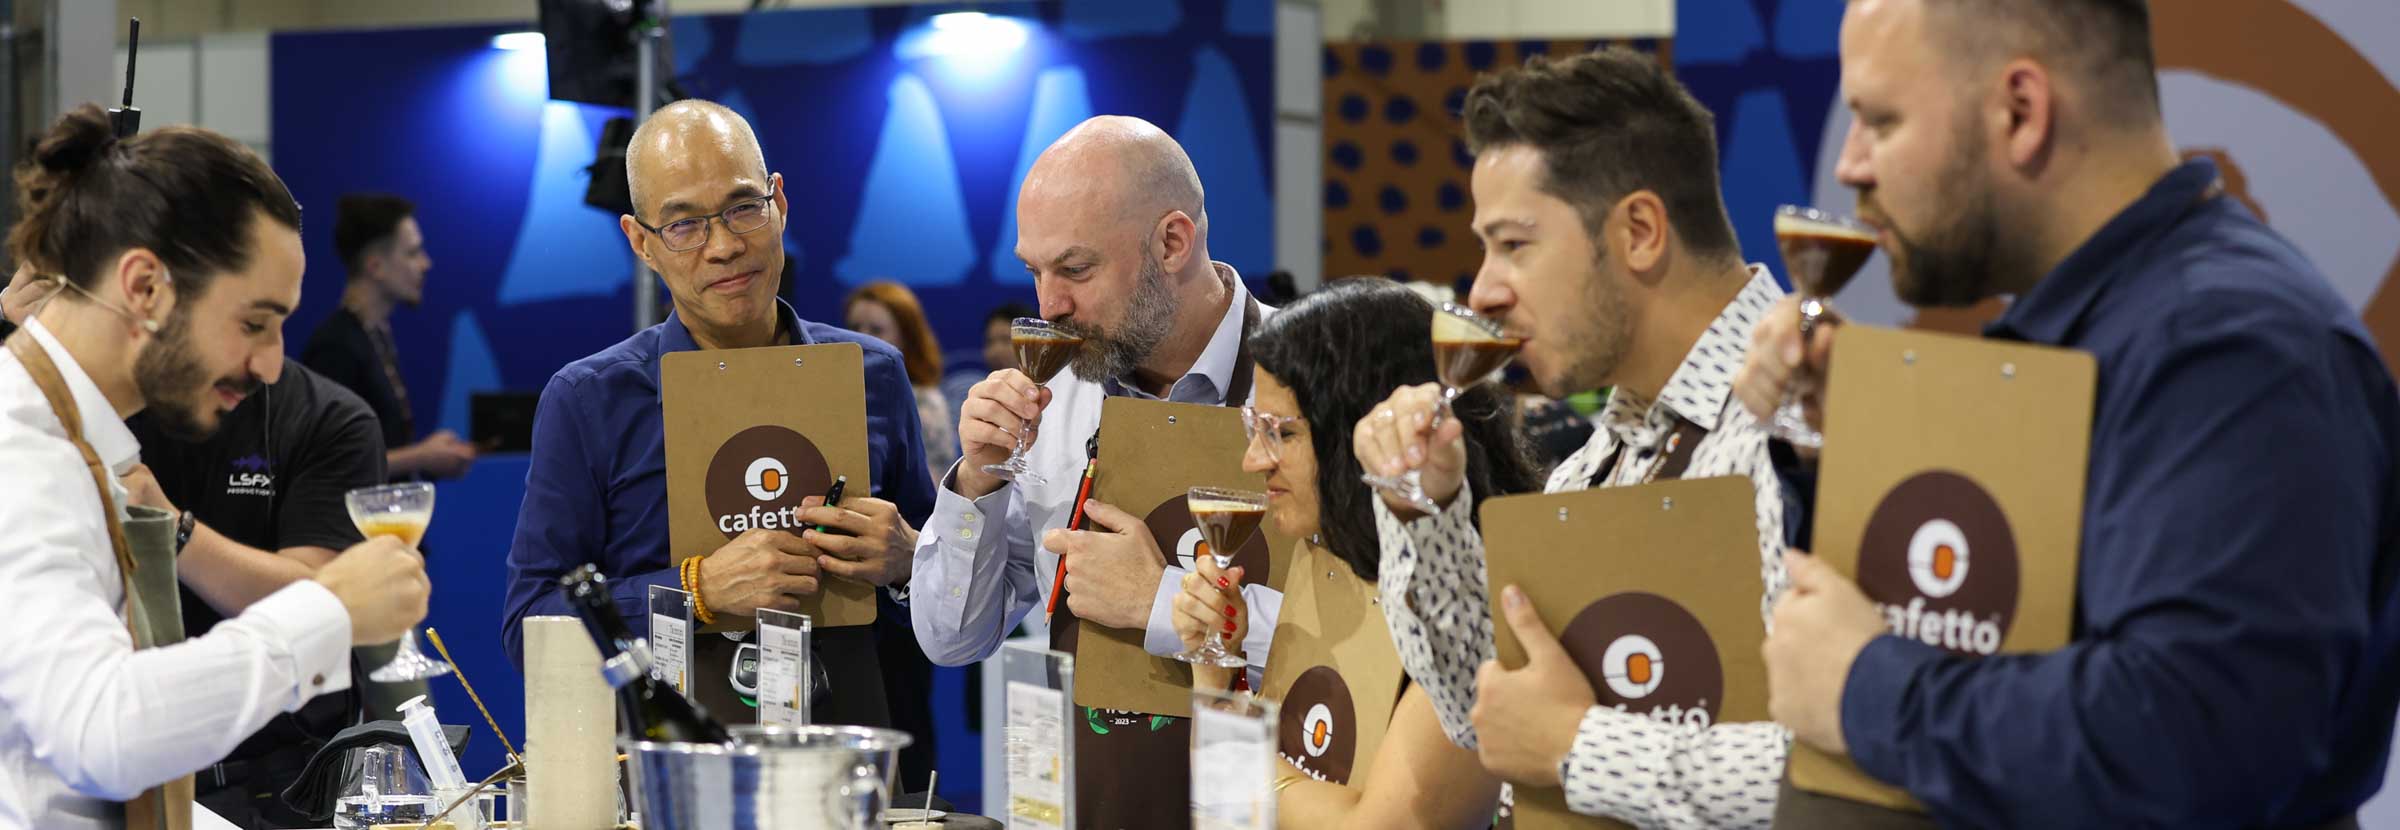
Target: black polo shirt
273	477
342	351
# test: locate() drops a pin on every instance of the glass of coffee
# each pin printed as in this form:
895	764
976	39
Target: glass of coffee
1821	252
1043	350
1227	519
1467	349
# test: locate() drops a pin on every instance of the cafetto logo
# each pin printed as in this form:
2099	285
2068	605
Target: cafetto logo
1183	543
1645	654
1940	562
758	477
1318	730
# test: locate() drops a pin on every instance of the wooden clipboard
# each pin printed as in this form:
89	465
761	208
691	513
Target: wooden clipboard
1952	480
1151	454
751	432
1639	582
1334	670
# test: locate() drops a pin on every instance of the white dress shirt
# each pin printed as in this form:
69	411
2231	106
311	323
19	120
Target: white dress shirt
86	720
980	564
1622	766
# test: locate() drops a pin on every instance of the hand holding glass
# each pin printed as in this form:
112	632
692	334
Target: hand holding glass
1042	351
402	511
1467	348
1227	519
1821	252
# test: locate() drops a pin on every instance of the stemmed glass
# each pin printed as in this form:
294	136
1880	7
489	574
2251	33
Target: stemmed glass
1467	348
1043	350
403	511
1226	519
1821	252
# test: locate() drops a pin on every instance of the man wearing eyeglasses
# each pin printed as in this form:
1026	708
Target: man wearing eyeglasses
709	217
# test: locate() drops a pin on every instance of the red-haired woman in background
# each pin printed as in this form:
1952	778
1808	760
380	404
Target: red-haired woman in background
889	312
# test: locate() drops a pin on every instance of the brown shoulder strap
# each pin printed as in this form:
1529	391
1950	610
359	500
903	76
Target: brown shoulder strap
167	806
62	403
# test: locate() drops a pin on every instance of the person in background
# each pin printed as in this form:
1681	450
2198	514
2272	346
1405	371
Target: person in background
2235	659
889	312
259	506
998	353
1323	364
178	256
709	218
377	238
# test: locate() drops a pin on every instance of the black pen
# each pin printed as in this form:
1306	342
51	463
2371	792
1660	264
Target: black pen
833	496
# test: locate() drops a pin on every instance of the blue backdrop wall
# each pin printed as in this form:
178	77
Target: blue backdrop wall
900	165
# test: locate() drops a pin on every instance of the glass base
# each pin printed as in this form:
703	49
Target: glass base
1409	486
1213	653
410	665
1792	426
1015	469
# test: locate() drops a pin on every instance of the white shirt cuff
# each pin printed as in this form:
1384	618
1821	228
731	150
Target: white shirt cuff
312	623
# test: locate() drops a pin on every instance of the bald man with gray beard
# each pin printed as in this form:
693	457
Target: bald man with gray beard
1113	225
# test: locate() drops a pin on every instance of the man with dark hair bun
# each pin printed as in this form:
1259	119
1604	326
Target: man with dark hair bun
178	256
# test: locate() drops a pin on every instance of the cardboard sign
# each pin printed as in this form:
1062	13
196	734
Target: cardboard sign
1654	592
751	432
1333	668
1951	488
1151	455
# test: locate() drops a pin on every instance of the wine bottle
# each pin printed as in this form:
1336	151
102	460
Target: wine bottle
647	709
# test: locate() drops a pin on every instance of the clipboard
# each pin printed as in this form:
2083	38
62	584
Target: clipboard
1152	454
1937	528
1640	582
751	432
1334	671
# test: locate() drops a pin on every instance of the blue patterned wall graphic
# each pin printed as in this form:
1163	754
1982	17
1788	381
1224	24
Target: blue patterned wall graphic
1771	98
913	225
1060	101
1092	19
1215	129
560	252
831	36
438	116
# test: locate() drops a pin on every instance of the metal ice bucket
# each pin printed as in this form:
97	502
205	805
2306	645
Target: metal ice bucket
769	777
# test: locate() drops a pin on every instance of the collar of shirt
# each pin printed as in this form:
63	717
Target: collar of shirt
674	337
107	433
1698	389
2050	312
1212	374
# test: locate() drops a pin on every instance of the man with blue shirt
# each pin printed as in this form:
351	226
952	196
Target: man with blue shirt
710	221
2233	661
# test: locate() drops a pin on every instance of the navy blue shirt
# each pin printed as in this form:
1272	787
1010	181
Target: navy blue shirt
2234	661
597	489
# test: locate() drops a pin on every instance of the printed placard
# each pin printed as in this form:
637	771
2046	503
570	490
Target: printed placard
783	668
670	637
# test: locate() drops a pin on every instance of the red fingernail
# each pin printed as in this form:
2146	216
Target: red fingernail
1228	626
1229	611
1221	583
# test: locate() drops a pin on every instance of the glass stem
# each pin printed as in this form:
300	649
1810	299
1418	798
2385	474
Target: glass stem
1449	393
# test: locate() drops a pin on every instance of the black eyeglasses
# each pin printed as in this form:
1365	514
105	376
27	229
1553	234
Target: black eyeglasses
742	217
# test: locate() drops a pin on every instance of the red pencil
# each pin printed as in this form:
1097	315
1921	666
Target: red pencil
1083	491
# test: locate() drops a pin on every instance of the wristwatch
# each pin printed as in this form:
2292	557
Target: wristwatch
184	522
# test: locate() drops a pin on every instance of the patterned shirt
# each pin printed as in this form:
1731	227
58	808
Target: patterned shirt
1623	766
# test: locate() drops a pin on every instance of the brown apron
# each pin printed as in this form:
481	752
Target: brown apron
145	549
